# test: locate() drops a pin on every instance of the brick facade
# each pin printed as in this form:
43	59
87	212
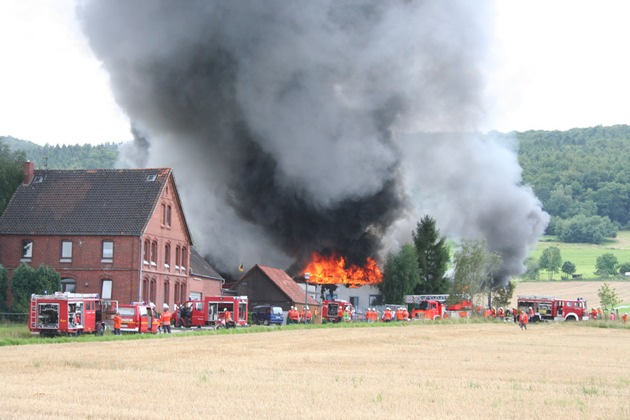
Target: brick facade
139	269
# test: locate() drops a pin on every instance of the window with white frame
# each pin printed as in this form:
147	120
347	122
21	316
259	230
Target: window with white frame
108	251
66	251
106	289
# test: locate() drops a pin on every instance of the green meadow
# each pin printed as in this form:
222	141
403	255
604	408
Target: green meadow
584	256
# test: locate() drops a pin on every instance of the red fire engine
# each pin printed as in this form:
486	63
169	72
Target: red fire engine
332	310
69	314
138	318
210	311
434	307
550	308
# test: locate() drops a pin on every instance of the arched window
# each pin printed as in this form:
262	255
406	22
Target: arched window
154	251
147	251
153	293
182	292
167	256
145	289
176	291
167	289
68	285
184	257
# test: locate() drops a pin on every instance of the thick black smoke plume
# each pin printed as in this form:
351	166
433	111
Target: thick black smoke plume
283	122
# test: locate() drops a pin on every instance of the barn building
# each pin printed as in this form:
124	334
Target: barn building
266	285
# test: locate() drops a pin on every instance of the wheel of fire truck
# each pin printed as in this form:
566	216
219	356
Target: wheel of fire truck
570	317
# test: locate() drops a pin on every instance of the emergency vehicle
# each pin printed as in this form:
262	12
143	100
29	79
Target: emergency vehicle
332	310
551	308
64	313
210	311
138	317
434	307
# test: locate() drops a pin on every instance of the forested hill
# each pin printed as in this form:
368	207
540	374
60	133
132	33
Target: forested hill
102	156
581	159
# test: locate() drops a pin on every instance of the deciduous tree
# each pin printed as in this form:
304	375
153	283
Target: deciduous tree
606	265
608	296
11	173
568	268
475	266
550	260
4	275
27	280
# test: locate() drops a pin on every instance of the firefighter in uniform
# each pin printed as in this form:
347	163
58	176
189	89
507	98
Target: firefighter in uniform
523	320
227	317
166	321
117	323
307	316
387	315
294	315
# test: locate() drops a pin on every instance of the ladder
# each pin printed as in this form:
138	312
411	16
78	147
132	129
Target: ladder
33	314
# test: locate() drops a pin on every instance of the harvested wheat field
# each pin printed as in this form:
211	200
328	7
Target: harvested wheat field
418	369
573	290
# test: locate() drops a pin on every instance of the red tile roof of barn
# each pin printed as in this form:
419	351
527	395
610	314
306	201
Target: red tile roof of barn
85	202
286	284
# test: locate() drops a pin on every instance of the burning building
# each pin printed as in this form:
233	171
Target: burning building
290	125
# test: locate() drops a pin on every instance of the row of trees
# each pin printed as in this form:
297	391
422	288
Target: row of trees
25	281
421	267
606	265
86	156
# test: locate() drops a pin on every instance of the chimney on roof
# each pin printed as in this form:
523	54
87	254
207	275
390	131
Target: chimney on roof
29	172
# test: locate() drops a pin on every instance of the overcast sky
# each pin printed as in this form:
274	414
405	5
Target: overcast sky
559	64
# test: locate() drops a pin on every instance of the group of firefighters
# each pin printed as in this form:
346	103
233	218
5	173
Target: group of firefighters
295	317
612	316
400	314
164	321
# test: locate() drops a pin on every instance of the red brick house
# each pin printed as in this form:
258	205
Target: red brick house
117	232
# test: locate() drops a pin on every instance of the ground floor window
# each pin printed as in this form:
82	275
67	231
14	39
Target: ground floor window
68	285
106	289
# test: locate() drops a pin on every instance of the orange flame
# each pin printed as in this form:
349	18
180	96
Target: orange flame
333	270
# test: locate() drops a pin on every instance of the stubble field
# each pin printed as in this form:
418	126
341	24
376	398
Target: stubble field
441	370
573	290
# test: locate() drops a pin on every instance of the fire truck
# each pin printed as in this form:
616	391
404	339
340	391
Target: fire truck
551	308
434	307
138	317
210	311
332	310
69	314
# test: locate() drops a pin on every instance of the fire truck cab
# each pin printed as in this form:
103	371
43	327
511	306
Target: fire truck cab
332	310
69	314
210	311
550	308
138	317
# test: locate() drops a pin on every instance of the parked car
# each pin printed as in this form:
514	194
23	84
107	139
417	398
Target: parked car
267	314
